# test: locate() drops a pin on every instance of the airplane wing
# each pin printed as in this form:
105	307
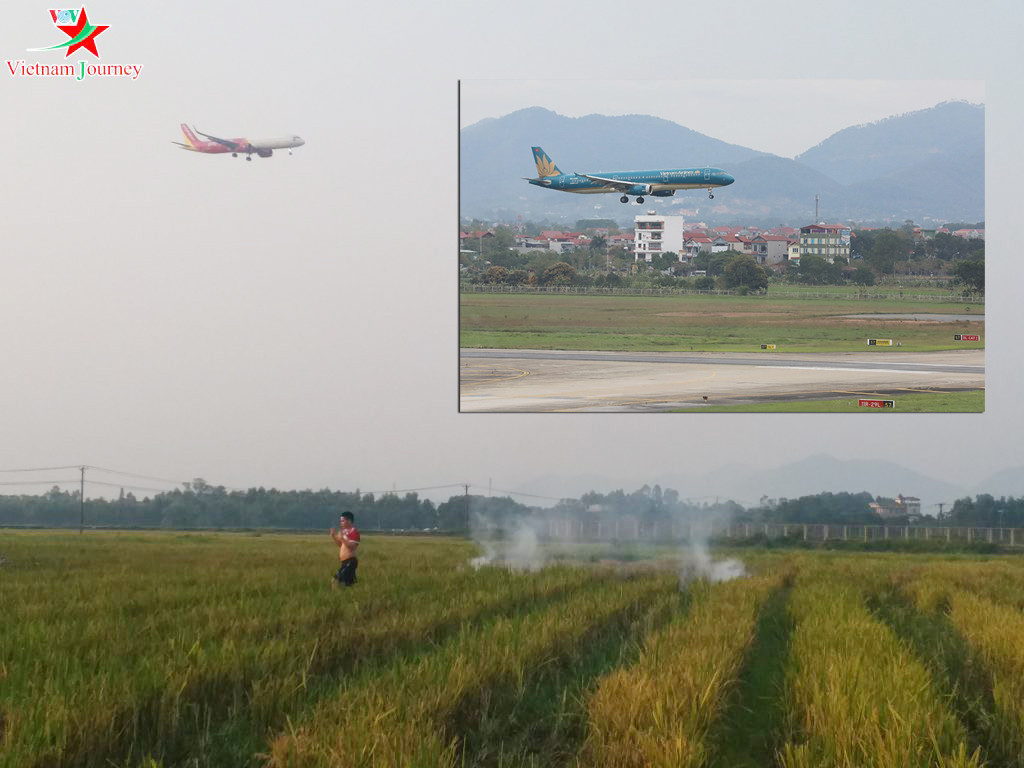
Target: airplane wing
232	145
616	184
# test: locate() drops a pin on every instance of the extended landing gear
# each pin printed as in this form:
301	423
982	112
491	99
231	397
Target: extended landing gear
623	199
639	200
234	154
710	196
249	158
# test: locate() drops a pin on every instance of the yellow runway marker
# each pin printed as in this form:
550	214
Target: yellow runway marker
495	374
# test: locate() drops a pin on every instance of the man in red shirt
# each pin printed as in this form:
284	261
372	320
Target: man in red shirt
347	540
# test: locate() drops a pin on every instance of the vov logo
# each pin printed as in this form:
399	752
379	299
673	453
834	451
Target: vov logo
81	35
76	25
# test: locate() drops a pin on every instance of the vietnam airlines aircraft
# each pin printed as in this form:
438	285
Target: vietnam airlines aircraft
662	183
215	146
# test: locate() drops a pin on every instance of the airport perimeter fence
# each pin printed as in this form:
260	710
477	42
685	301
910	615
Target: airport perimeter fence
679	531
635	531
664	291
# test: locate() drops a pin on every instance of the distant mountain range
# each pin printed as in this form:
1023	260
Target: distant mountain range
928	166
815	474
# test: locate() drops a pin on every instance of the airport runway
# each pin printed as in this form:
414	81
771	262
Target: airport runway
531	381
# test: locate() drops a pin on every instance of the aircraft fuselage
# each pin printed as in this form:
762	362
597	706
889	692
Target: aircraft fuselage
217	146
658	183
655	181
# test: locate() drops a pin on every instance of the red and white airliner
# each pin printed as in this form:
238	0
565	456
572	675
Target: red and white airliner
248	147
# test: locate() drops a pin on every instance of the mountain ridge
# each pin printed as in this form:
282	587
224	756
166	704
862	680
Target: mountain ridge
811	475
938	176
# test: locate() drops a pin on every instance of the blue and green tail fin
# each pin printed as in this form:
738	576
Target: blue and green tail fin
545	165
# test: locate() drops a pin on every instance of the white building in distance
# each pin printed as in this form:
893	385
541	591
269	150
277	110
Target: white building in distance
901	506
655	235
829	241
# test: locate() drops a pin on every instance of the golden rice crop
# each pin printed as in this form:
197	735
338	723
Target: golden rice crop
411	713
657	712
996	634
163	665
199	650
855	695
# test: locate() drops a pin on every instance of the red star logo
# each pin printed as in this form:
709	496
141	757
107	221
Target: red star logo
89	43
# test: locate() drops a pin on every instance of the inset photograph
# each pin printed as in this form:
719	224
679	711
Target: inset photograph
710	246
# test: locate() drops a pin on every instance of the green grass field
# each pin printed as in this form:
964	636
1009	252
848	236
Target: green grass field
169	649
705	323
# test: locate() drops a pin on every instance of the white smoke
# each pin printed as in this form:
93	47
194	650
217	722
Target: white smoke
516	545
488	557
528	540
696	563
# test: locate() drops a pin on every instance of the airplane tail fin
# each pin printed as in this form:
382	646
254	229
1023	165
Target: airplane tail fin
545	166
190	137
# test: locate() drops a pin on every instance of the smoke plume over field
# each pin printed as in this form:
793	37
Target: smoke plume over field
644	526
696	563
515	544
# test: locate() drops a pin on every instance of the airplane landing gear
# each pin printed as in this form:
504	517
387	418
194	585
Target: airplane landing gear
249	158
639	200
623	199
710	196
234	154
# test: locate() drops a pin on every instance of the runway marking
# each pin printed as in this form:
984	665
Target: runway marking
726	400
507	374
744	359
599	398
606	387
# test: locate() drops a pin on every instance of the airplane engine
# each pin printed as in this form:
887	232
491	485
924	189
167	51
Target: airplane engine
264	152
640	189
663	193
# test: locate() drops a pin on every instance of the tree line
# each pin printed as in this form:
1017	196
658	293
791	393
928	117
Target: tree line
199	505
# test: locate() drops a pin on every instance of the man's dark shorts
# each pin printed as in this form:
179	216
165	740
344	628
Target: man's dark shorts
347	572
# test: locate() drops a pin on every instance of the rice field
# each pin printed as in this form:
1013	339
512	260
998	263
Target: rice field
148	650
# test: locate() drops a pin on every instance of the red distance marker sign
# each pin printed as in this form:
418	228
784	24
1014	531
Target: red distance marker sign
966	337
876	403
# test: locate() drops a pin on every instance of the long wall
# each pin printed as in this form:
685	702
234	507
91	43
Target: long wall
633	529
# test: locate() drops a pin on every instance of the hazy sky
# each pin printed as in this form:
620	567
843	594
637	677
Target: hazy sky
292	321
766	115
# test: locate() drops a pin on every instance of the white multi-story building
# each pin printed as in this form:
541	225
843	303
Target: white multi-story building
901	506
654	234
829	241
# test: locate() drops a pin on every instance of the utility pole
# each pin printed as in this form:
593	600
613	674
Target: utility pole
81	502
466	497
815	209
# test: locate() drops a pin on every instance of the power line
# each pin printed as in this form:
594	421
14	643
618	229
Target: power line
177	482
41	469
38	482
137	476
108	470
521	493
125	487
413	490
